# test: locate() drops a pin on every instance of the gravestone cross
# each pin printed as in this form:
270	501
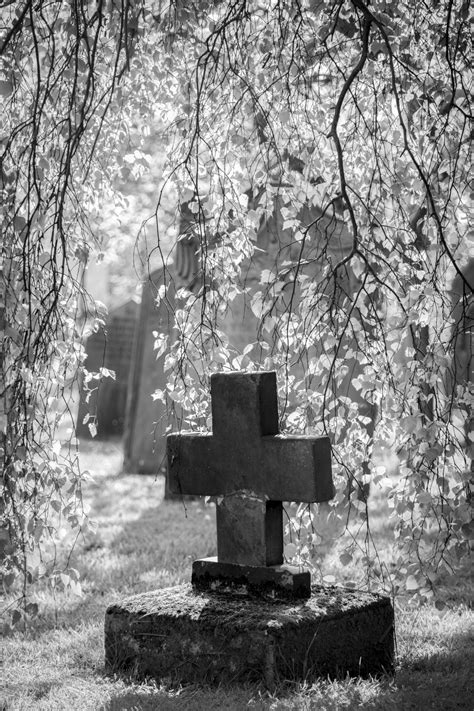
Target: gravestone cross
248	617
251	469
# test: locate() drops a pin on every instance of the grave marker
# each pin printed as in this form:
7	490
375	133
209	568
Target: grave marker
247	618
253	469
331	239
146	419
109	348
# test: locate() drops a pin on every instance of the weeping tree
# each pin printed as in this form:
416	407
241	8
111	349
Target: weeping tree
319	151
322	149
70	104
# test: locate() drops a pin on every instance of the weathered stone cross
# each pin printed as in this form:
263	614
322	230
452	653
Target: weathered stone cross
251	469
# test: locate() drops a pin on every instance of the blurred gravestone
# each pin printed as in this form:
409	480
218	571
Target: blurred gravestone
109	348
146	419
462	370
462	301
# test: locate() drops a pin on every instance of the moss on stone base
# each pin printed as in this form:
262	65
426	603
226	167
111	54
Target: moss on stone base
186	636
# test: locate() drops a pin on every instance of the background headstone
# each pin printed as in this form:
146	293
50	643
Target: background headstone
463	330
144	444
109	348
146	419
462	300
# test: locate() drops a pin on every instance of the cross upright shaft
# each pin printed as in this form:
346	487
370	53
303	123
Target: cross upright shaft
252	467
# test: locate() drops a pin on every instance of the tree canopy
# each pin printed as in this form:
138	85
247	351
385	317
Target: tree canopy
320	150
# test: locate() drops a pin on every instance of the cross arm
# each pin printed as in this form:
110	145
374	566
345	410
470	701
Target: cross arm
280	468
191	468
298	468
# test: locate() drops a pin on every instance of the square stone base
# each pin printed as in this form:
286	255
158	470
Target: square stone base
184	636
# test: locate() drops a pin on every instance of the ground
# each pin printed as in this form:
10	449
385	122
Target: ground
144	543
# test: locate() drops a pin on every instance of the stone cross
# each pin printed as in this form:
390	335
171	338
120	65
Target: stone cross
251	469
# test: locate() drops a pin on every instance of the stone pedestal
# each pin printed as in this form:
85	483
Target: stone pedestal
275	582
186	636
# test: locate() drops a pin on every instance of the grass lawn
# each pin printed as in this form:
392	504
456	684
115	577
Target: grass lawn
143	543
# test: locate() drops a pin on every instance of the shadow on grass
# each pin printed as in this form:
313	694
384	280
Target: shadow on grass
154	550
441	680
187	699
136	550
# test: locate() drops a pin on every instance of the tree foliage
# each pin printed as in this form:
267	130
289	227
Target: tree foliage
67	110
332	135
